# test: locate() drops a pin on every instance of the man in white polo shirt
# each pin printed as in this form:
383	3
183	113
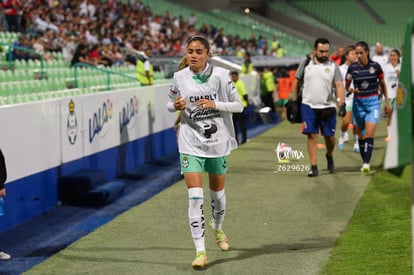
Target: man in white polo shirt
321	80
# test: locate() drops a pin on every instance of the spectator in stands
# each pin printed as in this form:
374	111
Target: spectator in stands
50	42
338	55
117	57
176	47
69	46
11	10
25	17
240	119
88	8
166	47
96	56
145	70
18	52
81	55
366	76
219	39
37	44
253	42
204	30
3	178
262	46
206	97
41	23
318	102
192	20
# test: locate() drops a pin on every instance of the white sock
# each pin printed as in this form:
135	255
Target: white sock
218	208
356	139
343	134
196	217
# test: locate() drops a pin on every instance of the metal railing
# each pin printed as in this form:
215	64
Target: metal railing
10	60
103	70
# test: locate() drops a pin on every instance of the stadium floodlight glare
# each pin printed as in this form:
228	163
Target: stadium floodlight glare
246	10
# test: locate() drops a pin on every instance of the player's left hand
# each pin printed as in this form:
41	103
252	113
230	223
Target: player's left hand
206	104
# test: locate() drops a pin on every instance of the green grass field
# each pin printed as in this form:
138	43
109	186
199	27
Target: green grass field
378	238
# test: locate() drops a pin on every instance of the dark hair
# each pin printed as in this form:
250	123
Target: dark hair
234	73
364	45
202	40
397	52
348	49
320	41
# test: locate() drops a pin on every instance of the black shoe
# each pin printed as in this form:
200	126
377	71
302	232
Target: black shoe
314	171
331	165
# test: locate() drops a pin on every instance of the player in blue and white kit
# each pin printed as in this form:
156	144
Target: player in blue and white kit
206	97
366	75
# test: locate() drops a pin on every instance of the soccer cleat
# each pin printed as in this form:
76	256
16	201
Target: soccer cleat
200	260
365	168
4	256
356	147
331	165
221	239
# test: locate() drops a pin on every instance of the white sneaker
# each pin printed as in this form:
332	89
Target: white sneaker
346	137
356	147
340	144
4	256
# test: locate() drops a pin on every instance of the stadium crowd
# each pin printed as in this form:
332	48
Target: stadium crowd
105	28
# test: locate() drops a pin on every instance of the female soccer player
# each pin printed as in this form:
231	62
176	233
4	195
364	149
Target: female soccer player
366	75
350	58
206	97
392	74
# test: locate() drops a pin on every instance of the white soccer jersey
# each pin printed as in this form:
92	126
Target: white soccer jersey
349	97
208	132
381	59
391	79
